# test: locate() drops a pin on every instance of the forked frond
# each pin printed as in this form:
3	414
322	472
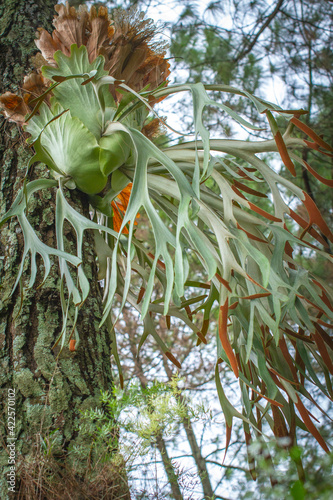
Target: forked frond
203	203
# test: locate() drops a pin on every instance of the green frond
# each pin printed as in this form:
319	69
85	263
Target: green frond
202	199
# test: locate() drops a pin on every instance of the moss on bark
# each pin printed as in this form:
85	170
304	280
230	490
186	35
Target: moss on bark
49	392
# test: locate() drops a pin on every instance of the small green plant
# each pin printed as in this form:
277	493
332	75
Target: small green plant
51	443
147	412
130	424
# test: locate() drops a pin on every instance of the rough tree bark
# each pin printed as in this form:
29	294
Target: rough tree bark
50	393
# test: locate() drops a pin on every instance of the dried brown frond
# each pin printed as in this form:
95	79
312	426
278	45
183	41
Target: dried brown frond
133	55
100	31
70	28
153	129
71	24
34	85
127	43
38	61
137	30
153	71
14	107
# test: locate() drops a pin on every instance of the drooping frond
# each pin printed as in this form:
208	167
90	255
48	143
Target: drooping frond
203	202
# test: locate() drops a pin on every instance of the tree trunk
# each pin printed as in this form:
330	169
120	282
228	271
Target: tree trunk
45	454
198	458
200	461
160	442
169	469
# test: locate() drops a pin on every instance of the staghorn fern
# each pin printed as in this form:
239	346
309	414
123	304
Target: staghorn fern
89	125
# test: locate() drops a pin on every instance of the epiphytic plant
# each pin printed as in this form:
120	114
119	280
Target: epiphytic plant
89	112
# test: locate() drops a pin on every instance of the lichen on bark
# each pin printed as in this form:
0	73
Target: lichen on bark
50	392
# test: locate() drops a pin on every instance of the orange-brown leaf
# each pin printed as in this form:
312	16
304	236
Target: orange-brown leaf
305	225
310	425
72	343
323	352
201	337
262	212
223	281
284	153
121	380
223	334
280	429
314	145
250	457
188	312
254	281
323	180
323	296
173	359
262	395
257	296
141	294
307	130
159	262
228	429
204	327
249	190
250	235
235	190
288	358
316	217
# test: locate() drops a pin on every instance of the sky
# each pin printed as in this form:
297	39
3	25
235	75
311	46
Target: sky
273	89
